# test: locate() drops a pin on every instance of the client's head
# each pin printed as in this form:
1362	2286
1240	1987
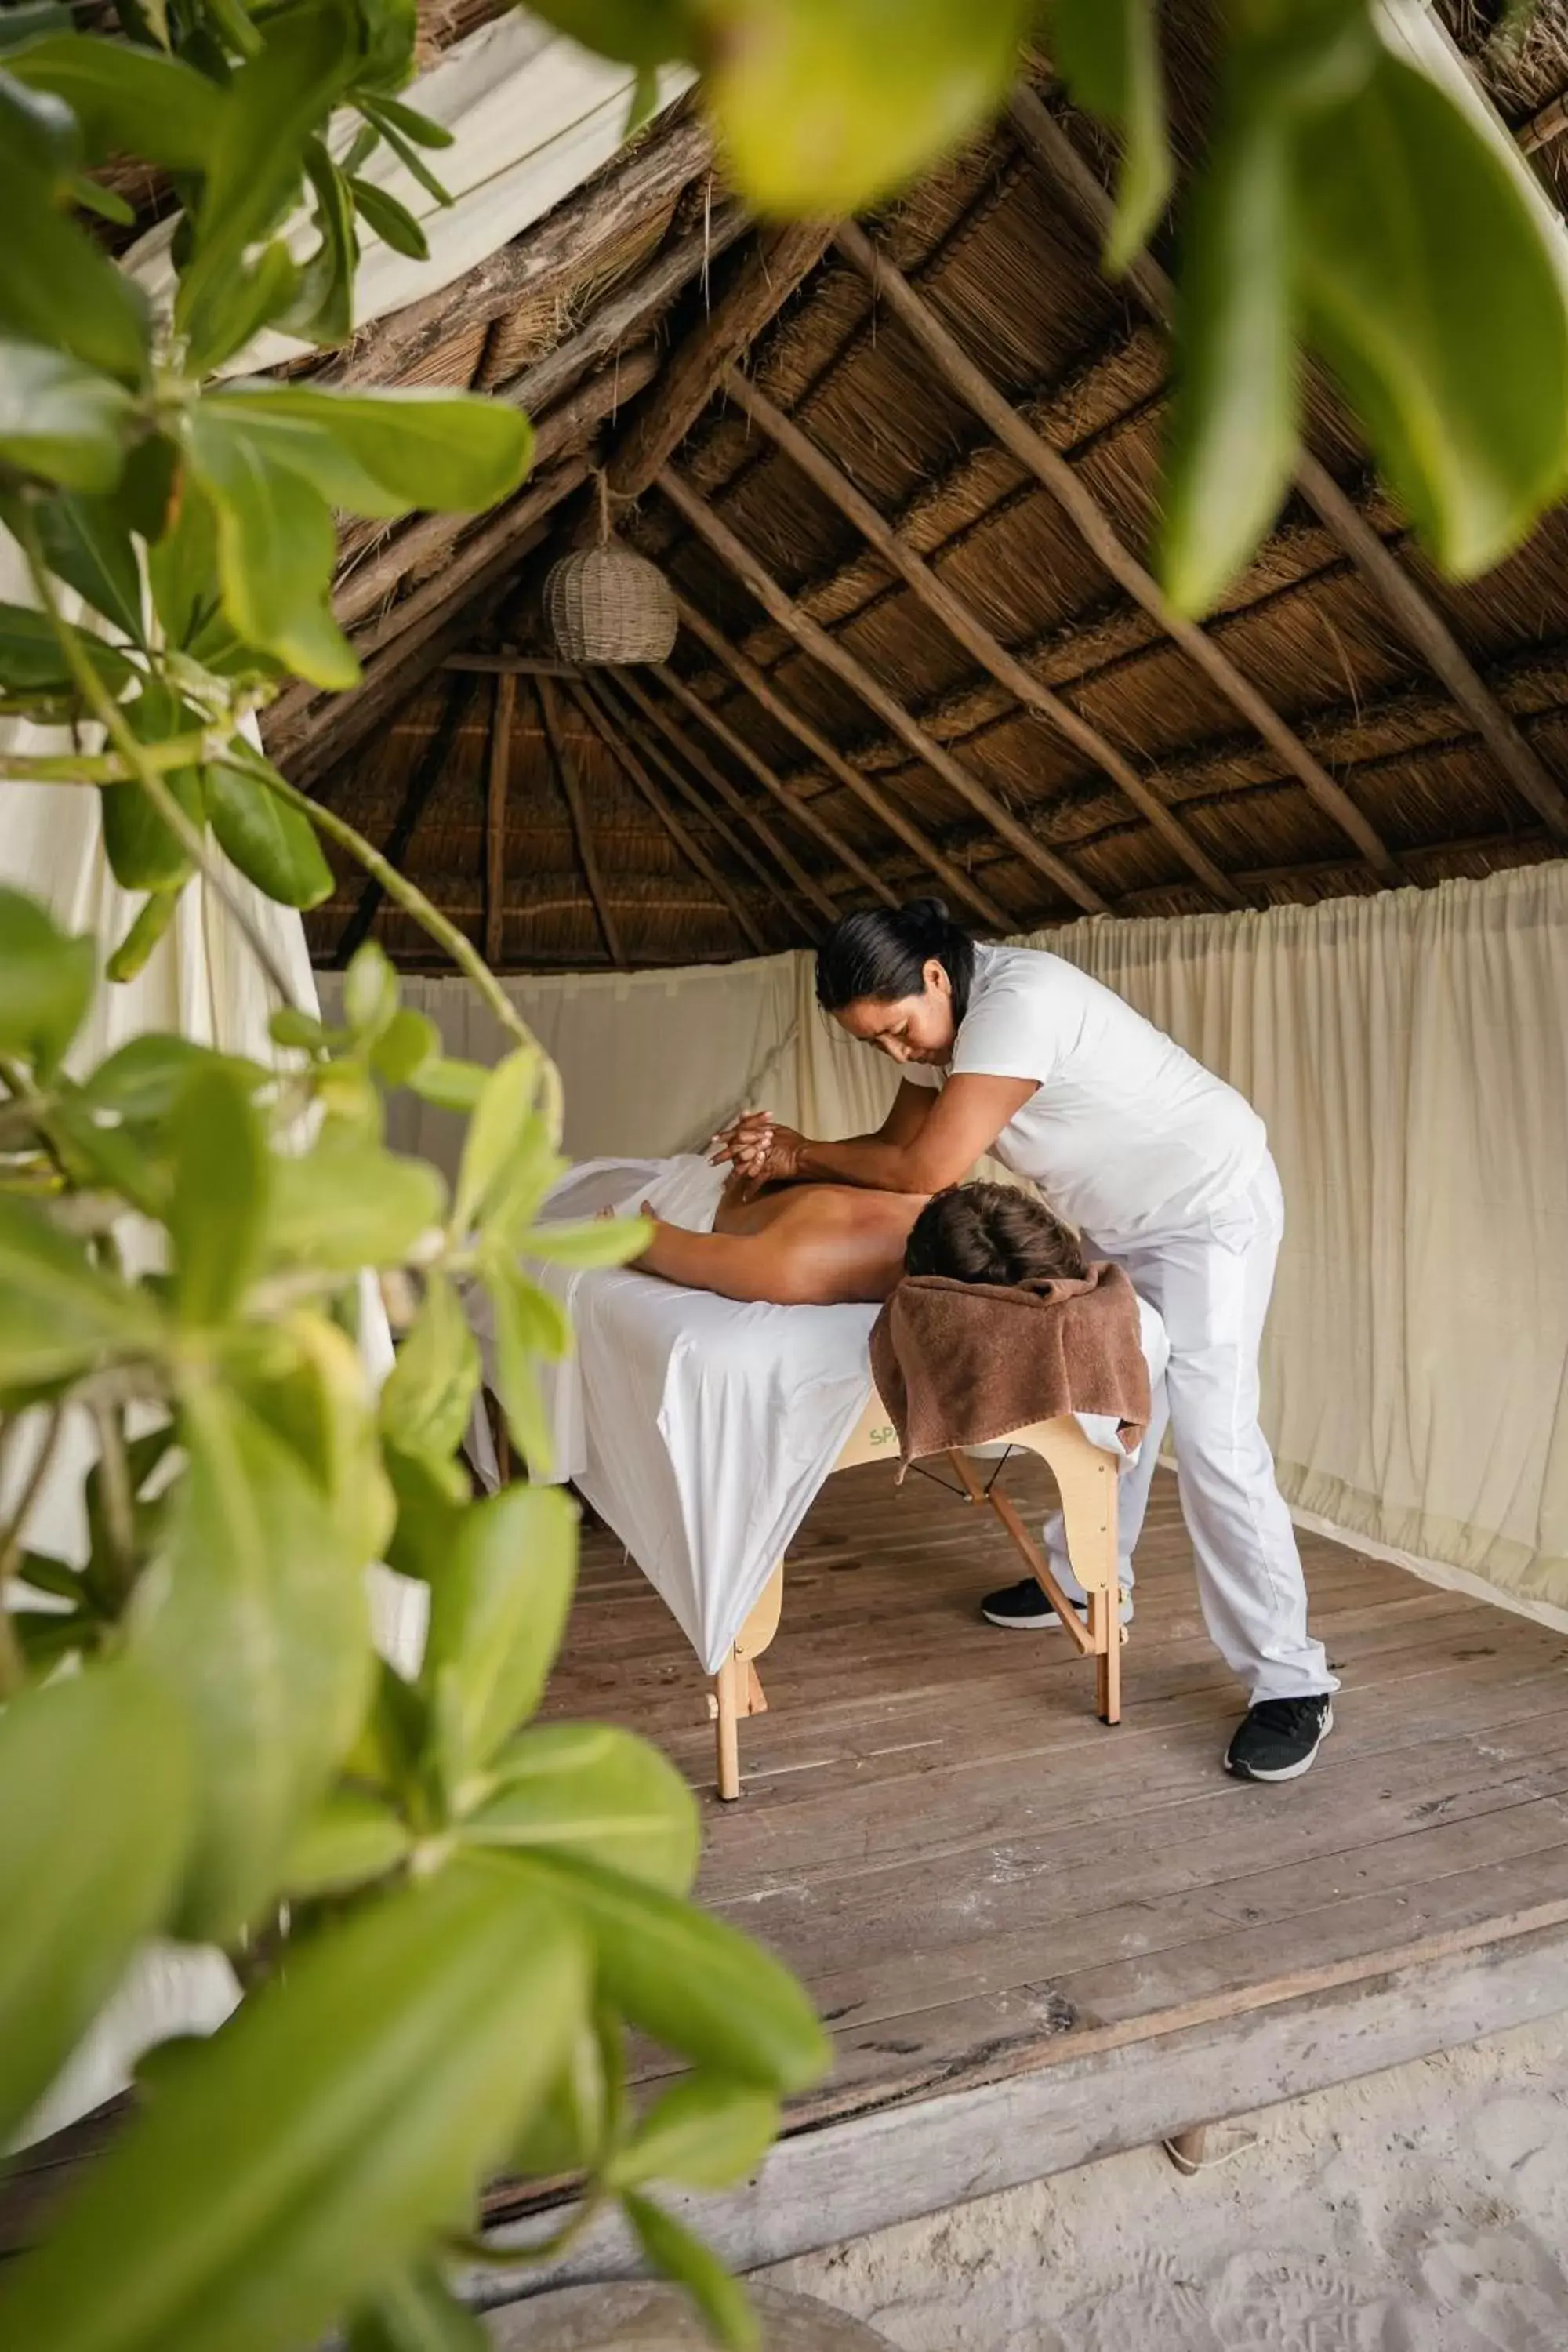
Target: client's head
989	1233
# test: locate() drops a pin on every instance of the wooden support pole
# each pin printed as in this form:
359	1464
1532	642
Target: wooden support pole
965	625
1549	122
763	283
815	639
1411	611
586	697
649	749
577	810
716	781
1094	527
495	816
422	783
797	806
843	771
511	665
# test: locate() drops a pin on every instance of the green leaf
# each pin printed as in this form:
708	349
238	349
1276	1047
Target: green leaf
58	289
274	845
143	852
27	20
409	1041
522	1332
232	19
444	450
692	1981
324	308
369	991
142	1080
1234	419
38	133
32	661
289	1026
406	152
637	32
1109	51
430	1389
301	445
431	1500
93	196
391	114
449	1085
348	1204
827	107
61	418
129	101
705	2132
356	2100
498	1611
276	546
673	2250
323	1407
391	28
596	1240
46	982
95	1800
59	1315
237	306
566	2130
182	569
349	1839
1432	292
505	1129
643	104
253	1617
87	543
592	1789
217	1213
389	220
416	2312
148	927
259	127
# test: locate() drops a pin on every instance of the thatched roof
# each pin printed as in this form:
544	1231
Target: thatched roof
608	320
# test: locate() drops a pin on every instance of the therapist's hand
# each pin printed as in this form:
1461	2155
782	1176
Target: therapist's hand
760	1148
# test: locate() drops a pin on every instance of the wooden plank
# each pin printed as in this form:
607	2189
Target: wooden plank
587	701
1094	527
495	816
965	624
422	783
815	639
1073	2098
1411	612
582	829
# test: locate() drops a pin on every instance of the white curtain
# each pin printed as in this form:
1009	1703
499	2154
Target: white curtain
1408	1052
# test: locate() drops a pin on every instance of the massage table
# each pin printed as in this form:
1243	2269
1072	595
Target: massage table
701	1431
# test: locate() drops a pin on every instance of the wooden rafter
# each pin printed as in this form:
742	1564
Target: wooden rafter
1094	526
716	781
828	756
794	804
496	783
422	783
826	649
766	278
1412	613
965	624
1546	124
587	698
647	747
577	811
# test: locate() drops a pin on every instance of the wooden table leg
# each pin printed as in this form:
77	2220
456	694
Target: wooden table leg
1105	1626
727	1720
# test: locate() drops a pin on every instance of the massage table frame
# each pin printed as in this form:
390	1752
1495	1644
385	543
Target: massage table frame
1086	1477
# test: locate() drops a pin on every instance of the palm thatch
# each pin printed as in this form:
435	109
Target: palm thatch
1319	741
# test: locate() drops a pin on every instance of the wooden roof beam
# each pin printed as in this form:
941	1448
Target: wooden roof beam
716	781
827	756
587	698
496	783
1094	526
799	810
963	622
826	649
422	784
576	801
1412	613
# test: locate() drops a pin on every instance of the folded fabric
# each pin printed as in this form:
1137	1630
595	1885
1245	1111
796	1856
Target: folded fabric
960	1363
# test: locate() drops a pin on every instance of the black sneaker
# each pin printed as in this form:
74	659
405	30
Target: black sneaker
1023	1608
1277	1738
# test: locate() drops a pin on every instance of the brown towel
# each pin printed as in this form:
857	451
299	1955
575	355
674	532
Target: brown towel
960	1363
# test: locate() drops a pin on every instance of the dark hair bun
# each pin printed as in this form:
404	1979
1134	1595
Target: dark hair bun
881	952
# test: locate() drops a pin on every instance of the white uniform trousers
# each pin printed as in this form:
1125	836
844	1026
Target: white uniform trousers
1210	1282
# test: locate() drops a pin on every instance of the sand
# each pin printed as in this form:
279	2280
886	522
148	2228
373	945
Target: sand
1425	2210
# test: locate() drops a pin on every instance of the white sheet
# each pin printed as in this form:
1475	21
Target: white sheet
699	1429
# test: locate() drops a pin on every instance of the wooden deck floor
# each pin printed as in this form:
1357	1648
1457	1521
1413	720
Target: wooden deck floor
985	1887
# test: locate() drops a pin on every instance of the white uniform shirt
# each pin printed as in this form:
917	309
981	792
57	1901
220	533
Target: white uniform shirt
1128	1135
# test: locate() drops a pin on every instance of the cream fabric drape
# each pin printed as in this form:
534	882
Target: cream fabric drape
1408	1052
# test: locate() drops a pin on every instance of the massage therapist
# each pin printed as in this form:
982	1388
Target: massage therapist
1167	1170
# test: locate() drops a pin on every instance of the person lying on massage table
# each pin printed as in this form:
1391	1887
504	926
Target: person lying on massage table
839	1244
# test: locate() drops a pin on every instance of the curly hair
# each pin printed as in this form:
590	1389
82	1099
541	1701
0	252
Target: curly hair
989	1233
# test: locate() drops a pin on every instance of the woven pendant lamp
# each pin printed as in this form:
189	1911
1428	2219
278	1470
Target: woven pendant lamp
607	605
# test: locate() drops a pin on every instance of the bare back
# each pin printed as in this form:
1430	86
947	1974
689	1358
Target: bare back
794	1244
